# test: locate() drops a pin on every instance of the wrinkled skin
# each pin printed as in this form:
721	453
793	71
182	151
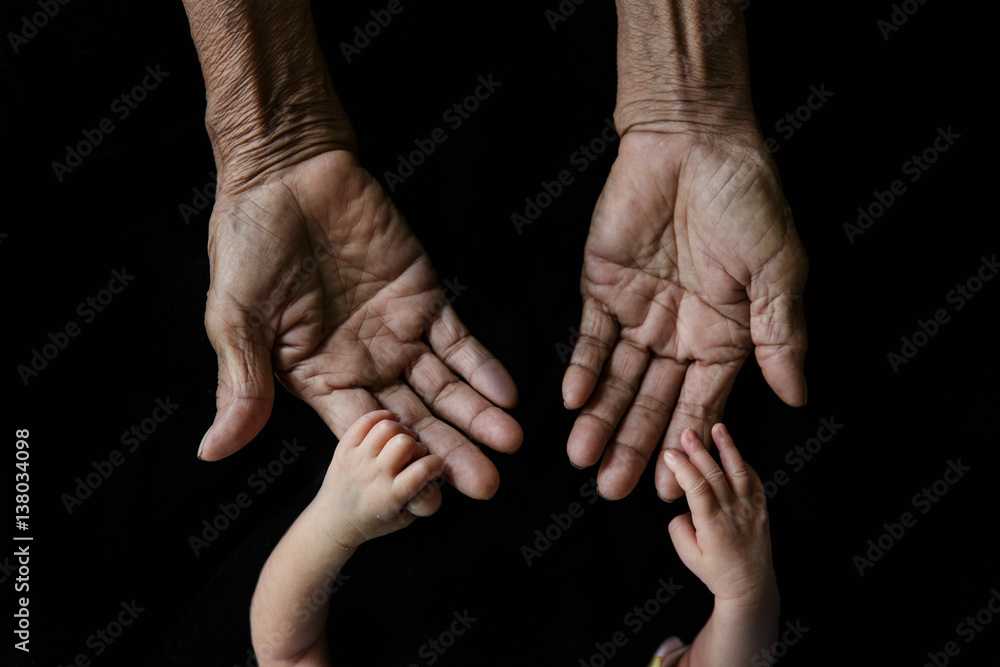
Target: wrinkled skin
691	263
317	279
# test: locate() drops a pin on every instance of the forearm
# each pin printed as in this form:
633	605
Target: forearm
270	99
734	633
292	600
682	65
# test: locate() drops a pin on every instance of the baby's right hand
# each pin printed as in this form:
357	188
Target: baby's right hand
725	539
381	478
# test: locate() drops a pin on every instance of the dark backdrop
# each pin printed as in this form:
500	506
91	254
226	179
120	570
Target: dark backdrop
125	550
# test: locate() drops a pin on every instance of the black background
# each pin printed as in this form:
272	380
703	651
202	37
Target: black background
120	208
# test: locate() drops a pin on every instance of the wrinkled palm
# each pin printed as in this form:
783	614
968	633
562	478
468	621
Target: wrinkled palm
692	260
316	275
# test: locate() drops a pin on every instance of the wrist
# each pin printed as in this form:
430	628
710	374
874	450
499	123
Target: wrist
762	599
252	137
684	110
270	101
682	67
340	536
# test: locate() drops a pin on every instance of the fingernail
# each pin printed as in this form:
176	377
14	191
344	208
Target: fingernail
668	647
669	644
664	498
201	445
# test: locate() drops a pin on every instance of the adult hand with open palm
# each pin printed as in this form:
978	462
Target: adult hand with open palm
692	260
317	278
692	257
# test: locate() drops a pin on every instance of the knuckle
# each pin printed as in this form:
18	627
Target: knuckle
698	413
446	392
715	476
652	404
619	384
700	487
458	347
587	339
597	413
631	452
739	471
404	442
759	501
386	428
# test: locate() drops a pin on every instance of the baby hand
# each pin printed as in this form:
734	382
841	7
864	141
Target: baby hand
381	478
725	539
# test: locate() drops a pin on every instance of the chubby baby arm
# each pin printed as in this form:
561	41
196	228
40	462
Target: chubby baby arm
380	480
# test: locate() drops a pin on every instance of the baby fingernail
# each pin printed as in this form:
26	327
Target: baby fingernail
670	645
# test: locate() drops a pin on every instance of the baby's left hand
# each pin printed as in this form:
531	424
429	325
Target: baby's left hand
725	539
380	480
